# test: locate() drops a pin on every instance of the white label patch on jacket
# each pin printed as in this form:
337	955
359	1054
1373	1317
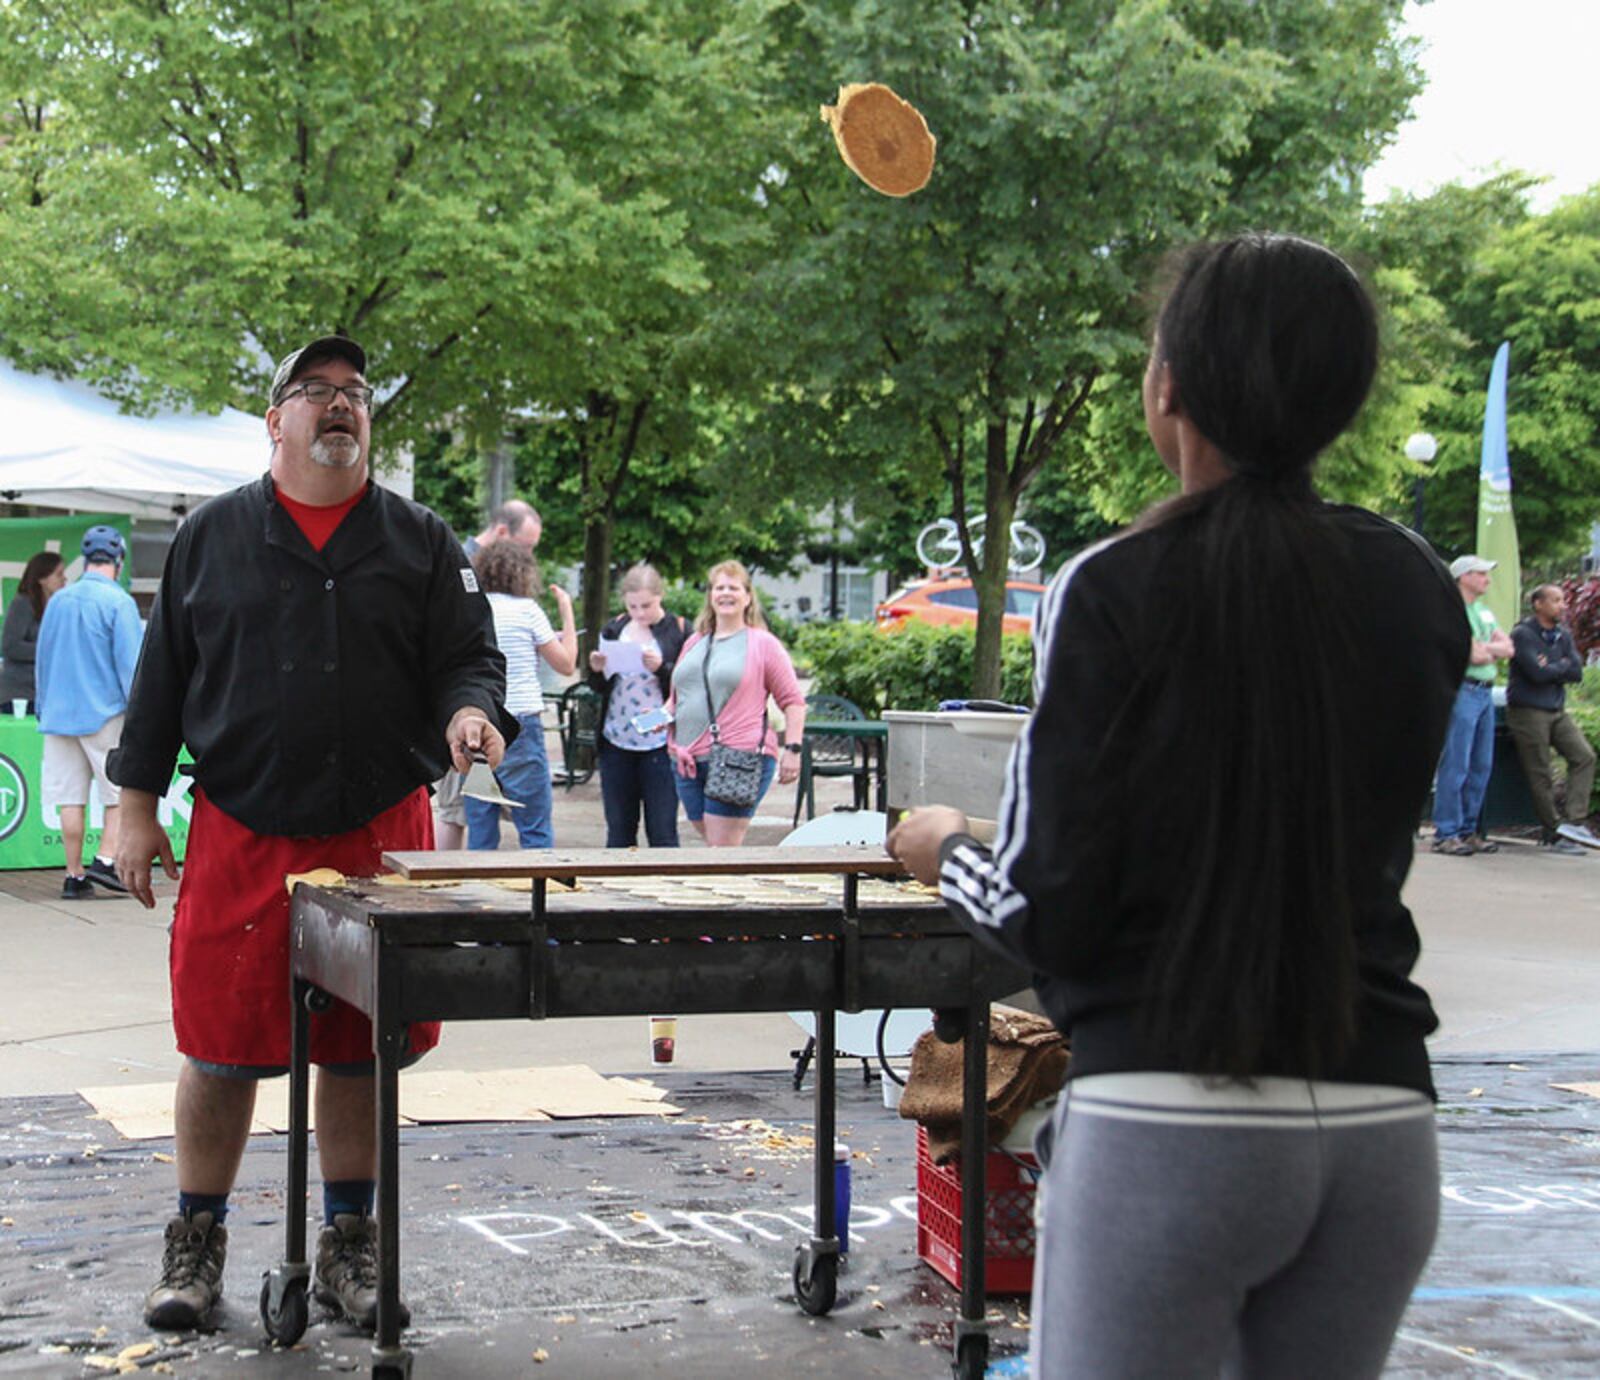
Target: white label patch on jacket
469	579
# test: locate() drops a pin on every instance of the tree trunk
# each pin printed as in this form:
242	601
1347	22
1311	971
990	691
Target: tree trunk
999	507
596	601
496	474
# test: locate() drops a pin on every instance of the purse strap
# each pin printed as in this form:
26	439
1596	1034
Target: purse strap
711	708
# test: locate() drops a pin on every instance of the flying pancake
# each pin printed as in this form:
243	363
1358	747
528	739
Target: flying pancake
883	140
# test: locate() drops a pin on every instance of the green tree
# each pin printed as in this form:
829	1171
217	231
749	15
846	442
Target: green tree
522	208
1078	141
206	183
1498	272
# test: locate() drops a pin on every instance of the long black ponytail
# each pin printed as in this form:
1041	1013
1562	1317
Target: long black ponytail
1272	345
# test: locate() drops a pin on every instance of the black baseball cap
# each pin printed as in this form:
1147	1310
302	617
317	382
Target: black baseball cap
293	364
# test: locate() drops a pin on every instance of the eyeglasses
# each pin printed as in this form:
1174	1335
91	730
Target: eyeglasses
358	395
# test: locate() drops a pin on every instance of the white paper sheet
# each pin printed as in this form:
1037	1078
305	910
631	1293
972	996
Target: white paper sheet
622	658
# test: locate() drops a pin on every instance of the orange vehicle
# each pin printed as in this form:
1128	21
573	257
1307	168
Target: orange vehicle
954	601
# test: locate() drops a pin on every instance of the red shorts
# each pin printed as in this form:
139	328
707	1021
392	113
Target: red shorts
230	936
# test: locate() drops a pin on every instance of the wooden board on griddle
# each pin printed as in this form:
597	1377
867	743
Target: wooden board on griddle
464	864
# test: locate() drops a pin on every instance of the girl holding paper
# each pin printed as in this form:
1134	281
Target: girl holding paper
635	771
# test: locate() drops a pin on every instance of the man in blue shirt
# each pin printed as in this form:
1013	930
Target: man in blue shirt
88	648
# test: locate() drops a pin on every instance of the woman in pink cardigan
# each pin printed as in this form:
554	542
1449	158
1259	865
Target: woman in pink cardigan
743	663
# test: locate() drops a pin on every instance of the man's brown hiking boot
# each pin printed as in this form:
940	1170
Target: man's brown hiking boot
191	1273
347	1270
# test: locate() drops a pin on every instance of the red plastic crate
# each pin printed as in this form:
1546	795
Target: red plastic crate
1008	1234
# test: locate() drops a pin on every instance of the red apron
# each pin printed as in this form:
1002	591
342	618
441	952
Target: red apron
230	936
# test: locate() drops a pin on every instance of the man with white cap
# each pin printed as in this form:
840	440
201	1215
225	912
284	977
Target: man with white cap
1468	756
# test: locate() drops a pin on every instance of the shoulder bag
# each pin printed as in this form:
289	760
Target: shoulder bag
733	775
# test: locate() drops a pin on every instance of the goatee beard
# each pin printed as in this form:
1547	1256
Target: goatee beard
336	451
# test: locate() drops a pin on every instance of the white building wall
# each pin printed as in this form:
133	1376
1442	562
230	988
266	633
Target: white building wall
803	596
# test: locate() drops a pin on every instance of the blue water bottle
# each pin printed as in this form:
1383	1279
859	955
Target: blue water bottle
841	1195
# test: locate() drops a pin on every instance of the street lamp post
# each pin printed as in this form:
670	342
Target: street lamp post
1420	448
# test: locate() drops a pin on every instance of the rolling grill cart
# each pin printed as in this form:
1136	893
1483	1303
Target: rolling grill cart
475	952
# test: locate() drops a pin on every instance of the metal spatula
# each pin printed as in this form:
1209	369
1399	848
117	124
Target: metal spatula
481	785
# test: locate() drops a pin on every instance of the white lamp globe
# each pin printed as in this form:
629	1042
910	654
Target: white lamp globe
1421	447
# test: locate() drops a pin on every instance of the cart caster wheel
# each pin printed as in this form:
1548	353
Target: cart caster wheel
317	1000
392	1364
288	1324
971	1358
816	1281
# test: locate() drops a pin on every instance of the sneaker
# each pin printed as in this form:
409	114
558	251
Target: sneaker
191	1273
1579	834
1456	848
346	1278
1479	844
1556	844
104	874
75	888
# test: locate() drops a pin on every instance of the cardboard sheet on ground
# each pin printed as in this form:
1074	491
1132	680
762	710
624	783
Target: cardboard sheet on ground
143	1111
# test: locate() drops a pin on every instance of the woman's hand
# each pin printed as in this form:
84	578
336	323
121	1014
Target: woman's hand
563	602
788	767
650	654
683	760
916	840
597	662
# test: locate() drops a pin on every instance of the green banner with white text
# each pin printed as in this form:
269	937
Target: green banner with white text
1497	527
30	830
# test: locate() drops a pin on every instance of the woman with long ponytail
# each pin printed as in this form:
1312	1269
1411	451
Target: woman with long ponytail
1206	826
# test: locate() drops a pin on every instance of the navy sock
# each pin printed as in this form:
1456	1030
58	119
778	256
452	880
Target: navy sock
214	1203
351	1196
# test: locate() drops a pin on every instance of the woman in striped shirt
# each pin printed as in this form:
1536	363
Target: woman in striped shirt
508	574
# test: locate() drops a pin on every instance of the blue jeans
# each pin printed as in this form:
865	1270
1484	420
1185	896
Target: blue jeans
631	781
1465	763
697	804
524	776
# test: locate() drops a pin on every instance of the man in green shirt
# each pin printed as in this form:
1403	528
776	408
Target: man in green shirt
1468	757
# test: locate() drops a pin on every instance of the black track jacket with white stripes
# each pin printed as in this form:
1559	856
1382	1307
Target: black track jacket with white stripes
1078	887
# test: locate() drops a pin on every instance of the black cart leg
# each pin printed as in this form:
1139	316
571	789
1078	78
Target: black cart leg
284	1305
816	1263
390	1361
803	1061
972	1332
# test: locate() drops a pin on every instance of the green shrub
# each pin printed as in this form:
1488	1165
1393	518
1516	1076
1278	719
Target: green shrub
786	630
912	668
684	600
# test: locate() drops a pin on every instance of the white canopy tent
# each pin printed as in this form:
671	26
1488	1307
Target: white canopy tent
62	445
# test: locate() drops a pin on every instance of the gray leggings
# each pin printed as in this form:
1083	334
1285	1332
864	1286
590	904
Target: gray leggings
1217	1230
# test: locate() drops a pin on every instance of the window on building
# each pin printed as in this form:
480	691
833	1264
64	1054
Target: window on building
855	594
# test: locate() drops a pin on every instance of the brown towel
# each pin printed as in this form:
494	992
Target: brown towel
1027	1063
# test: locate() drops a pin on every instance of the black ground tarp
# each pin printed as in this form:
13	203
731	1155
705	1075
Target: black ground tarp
651	1247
